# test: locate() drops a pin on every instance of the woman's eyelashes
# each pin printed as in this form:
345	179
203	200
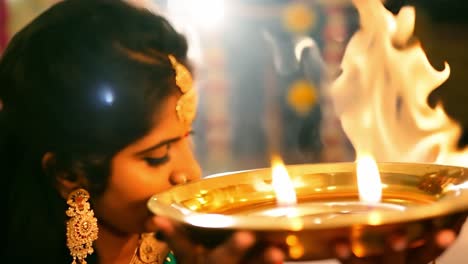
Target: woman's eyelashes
157	161
158	157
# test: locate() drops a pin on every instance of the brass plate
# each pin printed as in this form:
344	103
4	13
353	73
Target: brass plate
417	199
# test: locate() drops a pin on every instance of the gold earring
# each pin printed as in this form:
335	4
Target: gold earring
82	229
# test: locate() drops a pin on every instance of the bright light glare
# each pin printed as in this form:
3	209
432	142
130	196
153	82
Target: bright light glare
210	220
205	14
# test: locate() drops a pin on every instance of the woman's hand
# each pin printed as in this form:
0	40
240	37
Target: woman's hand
399	251
236	249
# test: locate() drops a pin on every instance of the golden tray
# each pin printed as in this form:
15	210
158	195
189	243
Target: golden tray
416	200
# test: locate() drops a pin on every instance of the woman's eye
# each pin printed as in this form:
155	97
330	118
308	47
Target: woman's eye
157	161
158	157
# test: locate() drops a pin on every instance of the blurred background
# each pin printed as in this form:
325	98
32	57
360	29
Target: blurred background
263	67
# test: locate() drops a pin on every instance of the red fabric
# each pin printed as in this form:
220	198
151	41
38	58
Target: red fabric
3	25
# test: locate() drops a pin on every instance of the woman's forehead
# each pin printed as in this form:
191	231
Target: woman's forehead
166	125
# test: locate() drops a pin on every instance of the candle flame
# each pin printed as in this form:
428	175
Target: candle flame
368	178
282	184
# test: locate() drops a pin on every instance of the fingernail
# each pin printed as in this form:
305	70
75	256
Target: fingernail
275	255
244	239
445	238
399	243
342	250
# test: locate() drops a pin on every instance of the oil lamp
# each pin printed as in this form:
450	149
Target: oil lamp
325	205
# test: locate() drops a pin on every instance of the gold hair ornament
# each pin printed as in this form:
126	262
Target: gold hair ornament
82	229
187	104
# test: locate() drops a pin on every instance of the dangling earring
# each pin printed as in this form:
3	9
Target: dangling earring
82	227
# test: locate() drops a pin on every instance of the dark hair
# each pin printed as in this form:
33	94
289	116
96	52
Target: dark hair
82	80
440	11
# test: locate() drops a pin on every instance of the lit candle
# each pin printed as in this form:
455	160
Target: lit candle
369	203
283	187
369	182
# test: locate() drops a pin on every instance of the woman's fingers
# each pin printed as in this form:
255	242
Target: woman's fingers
436	243
395	249
274	255
343	251
162	224
264	254
434	246
241	248
395	252
445	238
233	250
399	251
185	250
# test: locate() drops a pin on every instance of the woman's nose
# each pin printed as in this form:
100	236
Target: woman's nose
179	178
186	168
184	176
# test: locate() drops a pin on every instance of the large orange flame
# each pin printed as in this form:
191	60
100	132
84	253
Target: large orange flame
381	95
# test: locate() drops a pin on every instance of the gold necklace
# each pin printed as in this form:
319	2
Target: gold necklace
149	250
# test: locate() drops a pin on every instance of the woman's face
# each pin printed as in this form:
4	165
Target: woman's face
154	163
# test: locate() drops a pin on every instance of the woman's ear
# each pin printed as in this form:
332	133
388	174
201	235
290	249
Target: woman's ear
65	182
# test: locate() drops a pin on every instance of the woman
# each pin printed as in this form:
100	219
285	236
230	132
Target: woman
97	106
